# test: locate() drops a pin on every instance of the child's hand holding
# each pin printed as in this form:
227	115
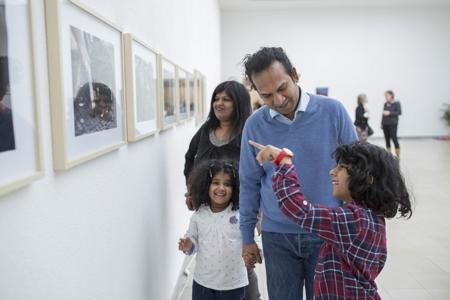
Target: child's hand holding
185	245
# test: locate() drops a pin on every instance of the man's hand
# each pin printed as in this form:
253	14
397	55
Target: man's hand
251	255
185	245
386	112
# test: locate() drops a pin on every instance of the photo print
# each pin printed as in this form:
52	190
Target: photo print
93	82
145	89
7	139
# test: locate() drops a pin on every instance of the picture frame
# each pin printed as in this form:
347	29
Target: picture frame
192	95
141	87
20	144
201	97
85	58
183	95
168	87
322	91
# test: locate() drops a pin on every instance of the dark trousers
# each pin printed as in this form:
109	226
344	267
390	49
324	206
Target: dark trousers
200	292
390	132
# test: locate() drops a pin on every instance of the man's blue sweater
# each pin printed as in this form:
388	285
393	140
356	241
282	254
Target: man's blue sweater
313	137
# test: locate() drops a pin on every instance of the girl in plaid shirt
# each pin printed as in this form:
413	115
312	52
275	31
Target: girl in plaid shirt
368	179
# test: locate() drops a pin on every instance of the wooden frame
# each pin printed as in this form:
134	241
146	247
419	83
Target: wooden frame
183	95
192	95
142	88
168	95
201	97
86	83
20	157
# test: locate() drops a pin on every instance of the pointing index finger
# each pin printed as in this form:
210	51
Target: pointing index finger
256	145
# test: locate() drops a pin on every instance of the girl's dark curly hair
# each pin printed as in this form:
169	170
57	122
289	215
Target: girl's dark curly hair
201	178
375	180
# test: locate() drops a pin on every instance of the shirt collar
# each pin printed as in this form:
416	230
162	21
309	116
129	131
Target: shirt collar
304	100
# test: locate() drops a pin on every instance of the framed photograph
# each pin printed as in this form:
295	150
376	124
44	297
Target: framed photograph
323	91
201	97
141	82
168	94
192	95
20	148
183	95
85	72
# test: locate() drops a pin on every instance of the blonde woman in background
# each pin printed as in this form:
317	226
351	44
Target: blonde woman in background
361	118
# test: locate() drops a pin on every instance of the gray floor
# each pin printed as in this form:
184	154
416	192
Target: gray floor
418	265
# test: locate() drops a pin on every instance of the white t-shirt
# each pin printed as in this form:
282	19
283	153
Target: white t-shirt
218	243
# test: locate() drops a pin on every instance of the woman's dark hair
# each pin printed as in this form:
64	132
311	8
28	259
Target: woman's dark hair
390	93
262	59
242	106
201	177
375	180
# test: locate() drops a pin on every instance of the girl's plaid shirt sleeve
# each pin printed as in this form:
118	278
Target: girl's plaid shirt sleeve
342	226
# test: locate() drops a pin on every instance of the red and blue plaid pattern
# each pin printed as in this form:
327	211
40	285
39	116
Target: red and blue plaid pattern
354	251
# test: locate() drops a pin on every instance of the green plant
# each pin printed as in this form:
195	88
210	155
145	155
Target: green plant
446	115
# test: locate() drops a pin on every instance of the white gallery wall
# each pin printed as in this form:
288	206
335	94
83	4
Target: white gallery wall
356	50
108	229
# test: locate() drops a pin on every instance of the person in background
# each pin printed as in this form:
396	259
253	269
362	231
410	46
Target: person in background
361	118
389	122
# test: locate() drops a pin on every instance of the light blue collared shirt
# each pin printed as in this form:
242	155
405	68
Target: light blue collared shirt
301	108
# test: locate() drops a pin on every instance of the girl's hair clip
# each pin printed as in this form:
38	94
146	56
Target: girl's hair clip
227	164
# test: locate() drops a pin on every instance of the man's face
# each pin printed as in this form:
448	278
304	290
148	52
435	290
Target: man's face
278	89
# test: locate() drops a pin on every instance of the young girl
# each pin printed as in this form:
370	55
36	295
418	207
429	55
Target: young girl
368	179
214	232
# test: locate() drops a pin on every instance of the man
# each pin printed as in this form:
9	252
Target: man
312	127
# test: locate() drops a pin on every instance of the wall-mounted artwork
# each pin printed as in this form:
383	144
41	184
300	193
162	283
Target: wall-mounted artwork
141	88
323	91
85	71
20	151
192	95
183	95
201	97
169	107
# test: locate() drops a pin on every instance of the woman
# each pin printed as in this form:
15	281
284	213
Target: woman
220	138
389	122
361	118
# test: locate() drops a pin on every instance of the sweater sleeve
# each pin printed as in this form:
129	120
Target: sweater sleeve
191	153
338	226
396	109
192	234
347	131
250	173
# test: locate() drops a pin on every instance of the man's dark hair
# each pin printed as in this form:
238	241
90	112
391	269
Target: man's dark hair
262	59
375	180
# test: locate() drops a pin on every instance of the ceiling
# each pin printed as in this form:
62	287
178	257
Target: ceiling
287	4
